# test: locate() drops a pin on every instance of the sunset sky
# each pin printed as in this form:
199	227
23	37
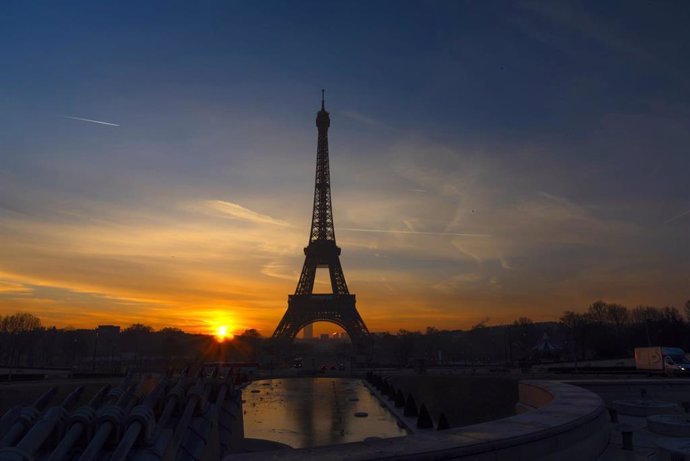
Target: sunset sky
489	160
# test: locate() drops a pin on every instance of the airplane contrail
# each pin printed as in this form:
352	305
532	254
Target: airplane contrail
386	231
677	216
89	120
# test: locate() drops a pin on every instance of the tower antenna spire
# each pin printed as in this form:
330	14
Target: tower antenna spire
322	99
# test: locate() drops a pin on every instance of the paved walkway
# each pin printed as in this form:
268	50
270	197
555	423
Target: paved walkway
644	441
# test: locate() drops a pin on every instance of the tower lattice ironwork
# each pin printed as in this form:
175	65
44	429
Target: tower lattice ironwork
306	307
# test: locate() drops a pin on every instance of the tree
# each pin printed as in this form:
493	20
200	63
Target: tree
644	314
21	322
251	333
136	335
670	314
171	343
618	316
579	326
17	326
687	310
250	344
481	324
522	337
598	312
138	328
526	332
406	345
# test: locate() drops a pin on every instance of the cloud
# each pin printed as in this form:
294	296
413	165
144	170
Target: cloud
452	284
156	265
515	235
564	15
411	232
678	216
361	118
8	287
555	198
280	271
232	210
89	120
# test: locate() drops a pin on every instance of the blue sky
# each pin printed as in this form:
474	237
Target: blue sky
555	133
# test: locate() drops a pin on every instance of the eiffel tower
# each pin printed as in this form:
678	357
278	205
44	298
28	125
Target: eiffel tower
305	307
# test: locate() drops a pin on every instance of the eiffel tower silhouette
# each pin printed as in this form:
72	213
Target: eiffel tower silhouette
305	307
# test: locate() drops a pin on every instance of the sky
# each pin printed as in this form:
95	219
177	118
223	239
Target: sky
489	160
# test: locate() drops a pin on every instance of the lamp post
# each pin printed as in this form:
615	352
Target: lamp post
93	357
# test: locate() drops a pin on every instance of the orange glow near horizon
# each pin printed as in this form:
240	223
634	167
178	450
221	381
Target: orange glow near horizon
222	333
222	326
211	270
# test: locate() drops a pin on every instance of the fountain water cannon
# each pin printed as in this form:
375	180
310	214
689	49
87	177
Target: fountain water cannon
195	397
46	426
142	418
9	418
110	418
26	418
196	416
78	423
162	440
227	412
172	399
198	430
225	386
117	392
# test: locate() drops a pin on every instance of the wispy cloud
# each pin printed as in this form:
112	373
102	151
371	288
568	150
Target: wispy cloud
235	211
361	118
279	271
555	198
576	18
392	231
89	120
451	284
678	216
13	287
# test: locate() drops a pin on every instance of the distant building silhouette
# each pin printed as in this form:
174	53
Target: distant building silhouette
108	331
308	331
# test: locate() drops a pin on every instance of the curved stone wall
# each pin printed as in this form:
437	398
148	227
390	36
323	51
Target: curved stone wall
566	423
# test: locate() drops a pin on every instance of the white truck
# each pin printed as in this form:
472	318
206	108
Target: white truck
669	360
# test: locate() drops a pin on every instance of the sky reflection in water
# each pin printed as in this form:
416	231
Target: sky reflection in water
306	412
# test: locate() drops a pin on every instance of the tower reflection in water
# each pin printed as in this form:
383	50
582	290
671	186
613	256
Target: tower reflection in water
307	412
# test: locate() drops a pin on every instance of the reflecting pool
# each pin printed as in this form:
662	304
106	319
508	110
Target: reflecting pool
306	412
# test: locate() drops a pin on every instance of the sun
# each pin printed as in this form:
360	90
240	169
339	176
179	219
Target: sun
222	333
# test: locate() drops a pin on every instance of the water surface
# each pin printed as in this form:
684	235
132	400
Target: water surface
306	412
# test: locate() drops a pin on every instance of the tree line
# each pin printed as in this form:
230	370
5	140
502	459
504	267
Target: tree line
602	331
25	342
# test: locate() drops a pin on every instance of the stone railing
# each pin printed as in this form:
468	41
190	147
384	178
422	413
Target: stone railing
558	422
